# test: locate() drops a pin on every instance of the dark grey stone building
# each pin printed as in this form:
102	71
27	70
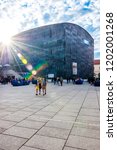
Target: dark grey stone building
67	48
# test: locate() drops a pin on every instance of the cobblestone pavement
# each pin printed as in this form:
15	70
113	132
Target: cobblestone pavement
67	118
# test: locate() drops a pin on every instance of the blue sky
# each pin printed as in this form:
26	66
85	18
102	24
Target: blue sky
20	15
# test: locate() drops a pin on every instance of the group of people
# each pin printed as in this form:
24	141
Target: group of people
41	86
58	80
5	80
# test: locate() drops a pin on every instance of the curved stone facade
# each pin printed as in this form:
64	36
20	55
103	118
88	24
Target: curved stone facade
60	46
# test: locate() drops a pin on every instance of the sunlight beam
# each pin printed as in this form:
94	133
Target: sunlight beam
7	30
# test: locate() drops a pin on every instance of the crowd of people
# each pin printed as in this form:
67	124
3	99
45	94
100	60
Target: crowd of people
5	80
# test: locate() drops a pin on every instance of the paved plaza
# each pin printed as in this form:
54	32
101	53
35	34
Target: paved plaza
67	118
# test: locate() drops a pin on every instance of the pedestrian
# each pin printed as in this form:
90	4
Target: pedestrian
44	84
73	80
61	81
40	85
67	80
55	79
58	80
36	88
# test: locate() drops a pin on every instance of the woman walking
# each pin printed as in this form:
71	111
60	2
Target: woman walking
36	89
40	85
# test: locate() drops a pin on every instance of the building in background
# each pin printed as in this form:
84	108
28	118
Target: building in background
66	49
97	67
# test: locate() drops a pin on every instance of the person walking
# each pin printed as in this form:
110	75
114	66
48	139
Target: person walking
61	81
44	84
40	85
36	89
55	79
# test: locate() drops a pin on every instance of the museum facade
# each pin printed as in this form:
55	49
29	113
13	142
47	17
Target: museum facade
66	48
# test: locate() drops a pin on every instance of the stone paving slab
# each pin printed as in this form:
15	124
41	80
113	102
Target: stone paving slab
11	143
28	148
85	132
22	113
60	124
6	124
71	109
2	130
31	124
12	109
88	118
64	118
20	132
51	109
36	107
89	112
67	118
13	118
83	142
71	114
45	113
88	125
39	118
90	105
47	143
33	110
54	132
4	113
70	148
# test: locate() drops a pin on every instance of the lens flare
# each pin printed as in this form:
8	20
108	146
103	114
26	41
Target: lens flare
39	67
29	67
24	61
34	72
19	55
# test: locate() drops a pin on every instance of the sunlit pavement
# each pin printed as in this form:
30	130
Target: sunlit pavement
67	118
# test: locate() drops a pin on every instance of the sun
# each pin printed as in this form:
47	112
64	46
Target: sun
6	40
7	30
